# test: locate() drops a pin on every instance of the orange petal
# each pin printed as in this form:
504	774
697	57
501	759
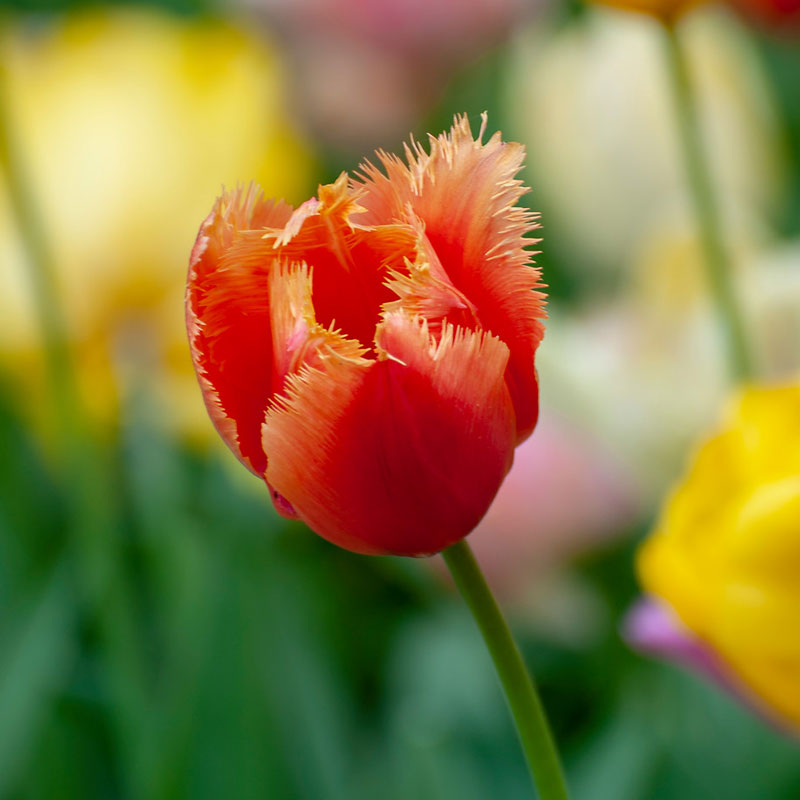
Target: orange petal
465	192
350	262
298	339
227	317
401	455
425	290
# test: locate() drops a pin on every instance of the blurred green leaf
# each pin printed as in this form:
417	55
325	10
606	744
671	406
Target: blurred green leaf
451	732
620	760
37	656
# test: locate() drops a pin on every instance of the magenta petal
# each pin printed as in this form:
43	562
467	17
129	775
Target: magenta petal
652	628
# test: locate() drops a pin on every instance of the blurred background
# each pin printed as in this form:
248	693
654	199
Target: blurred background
163	634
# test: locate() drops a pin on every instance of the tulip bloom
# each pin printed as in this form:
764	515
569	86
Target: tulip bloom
370	355
665	10
722	567
111	112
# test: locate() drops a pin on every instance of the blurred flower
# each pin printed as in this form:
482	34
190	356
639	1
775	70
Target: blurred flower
564	494
617	199
593	104
667	10
774	308
610	368
782	16
366	72
725	556
371	354
126	122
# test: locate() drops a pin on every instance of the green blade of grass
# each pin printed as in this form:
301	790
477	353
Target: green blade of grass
35	664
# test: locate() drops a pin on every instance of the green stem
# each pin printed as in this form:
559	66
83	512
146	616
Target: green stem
523	700
715	255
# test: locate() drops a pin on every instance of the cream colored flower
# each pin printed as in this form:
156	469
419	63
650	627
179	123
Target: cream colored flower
593	104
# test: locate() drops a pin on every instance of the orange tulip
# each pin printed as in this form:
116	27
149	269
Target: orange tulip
371	354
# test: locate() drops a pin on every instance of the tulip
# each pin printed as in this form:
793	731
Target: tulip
722	565
126	120
609	70
371	354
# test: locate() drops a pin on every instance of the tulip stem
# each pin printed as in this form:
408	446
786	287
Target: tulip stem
698	174
523	700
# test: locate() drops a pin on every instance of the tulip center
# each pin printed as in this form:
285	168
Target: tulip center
349	263
348	293
349	279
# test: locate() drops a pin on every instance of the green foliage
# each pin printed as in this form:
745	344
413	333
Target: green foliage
273	665
57	6
279	666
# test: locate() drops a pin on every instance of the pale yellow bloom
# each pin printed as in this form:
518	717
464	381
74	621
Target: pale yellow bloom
129	124
593	104
726	552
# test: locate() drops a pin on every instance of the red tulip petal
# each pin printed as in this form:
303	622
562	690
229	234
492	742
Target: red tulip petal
349	262
465	192
401	455
227	317
298	339
425	290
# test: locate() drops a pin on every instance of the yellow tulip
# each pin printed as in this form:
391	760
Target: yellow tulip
725	555
129	122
